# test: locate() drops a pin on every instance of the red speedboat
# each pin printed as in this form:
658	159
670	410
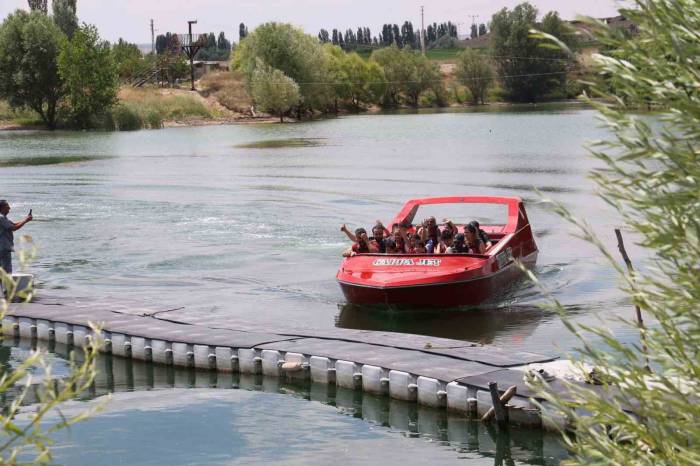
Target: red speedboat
443	280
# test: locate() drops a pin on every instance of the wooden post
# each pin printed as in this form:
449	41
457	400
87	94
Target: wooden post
630	269
498	408
505	398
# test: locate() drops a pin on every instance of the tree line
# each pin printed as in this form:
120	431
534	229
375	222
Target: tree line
55	67
392	34
292	73
289	72
216	48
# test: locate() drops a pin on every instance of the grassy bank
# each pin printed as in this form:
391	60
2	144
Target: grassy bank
10	118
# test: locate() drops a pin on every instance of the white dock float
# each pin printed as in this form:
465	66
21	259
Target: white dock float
449	374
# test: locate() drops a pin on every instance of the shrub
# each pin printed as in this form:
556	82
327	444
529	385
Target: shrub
474	72
126	119
648	171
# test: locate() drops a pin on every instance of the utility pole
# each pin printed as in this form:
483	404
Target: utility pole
474	17
153	39
191	44
422	29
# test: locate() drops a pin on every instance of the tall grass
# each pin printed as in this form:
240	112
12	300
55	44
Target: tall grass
649	172
149	108
229	89
19	116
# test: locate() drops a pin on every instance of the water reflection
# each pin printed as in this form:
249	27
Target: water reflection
46	160
443	429
282	143
479	325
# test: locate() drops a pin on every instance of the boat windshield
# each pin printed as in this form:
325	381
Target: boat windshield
462	213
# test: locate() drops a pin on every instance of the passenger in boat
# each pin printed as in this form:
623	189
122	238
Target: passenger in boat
459	246
430	230
400	234
449	225
416	244
361	242
390	246
445	243
482	235
471	233
379	234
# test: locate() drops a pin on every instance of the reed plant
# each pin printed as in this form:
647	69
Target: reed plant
646	409
25	432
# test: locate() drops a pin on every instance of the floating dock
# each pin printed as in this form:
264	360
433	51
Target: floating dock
436	372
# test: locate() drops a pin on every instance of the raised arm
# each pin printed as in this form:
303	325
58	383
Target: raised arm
16	226
348	233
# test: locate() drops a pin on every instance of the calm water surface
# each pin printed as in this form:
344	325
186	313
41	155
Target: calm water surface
204	218
159	415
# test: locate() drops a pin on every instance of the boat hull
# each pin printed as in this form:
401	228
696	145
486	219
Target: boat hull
472	292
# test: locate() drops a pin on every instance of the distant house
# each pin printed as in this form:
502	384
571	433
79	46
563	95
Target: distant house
617	22
202	67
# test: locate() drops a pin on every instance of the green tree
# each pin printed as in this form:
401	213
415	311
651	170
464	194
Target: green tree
128	59
398	70
425	75
528	71
39	5
86	66
242	32
273	91
482	29
64	15
298	55
474	32
649	173
29	49
365	80
474	72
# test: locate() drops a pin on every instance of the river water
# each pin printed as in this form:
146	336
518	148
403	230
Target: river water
245	219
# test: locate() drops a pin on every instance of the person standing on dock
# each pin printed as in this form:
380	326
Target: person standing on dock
7	229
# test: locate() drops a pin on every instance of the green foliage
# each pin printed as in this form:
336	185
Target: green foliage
38	5
30	435
297	55
408	74
650	174
64	15
528	70
273	91
216	49
126	119
129	60
29	49
474	72
86	66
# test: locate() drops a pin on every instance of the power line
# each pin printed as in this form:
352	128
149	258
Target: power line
341	83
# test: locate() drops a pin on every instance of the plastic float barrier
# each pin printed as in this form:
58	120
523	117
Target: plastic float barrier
272	363
431	392
249	361
138	348
27	328
64	333
121	345
44	330
457	397
402	386
348	374
81	335
296	366
322	370
244	363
